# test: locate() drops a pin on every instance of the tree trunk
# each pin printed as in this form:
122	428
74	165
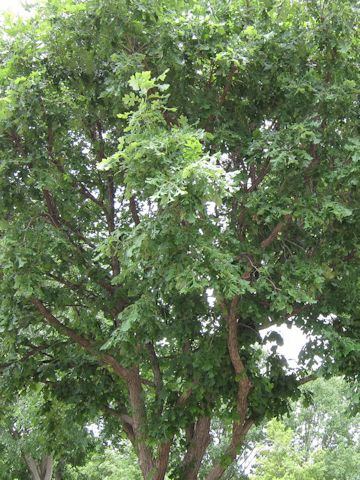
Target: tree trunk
47	467
145	457
196	451
41	471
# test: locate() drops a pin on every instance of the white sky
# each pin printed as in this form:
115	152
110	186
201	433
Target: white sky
294	340
14	6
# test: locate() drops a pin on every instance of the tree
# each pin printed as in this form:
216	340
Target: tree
327	419
221	436
224	204
281	460
318	441
108	465
38	436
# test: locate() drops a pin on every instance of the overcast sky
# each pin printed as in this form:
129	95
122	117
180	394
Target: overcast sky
14	6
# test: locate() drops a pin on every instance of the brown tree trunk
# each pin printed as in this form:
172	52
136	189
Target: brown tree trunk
198	445
144	452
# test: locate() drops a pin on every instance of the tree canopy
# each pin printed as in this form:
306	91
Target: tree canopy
177	177
108	465
39	436
318	441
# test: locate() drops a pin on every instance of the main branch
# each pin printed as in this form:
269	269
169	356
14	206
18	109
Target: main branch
243	424
88	345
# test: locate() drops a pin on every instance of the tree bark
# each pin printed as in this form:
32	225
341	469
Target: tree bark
85	343
47	467
32	467
163	460
146	461
239	433
198	445
43	471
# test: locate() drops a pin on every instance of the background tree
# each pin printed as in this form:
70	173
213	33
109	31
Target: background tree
107	465
229	205
38	437
318	441
326	420
279	459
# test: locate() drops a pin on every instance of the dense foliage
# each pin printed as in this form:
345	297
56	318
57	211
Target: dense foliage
109	465
39	436
175	178
319	441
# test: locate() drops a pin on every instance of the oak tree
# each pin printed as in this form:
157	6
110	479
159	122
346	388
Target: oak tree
177	177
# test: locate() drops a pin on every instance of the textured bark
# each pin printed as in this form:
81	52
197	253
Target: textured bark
134	210
32	467
125	420
146	461
163	461
273	235
198	445
47	467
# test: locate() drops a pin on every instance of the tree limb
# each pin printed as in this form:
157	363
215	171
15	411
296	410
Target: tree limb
239	433
30	353
30	462
277	229
126	422
242	425
307	379
163	460
136	397
196	450
88	345
134	210
155	365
